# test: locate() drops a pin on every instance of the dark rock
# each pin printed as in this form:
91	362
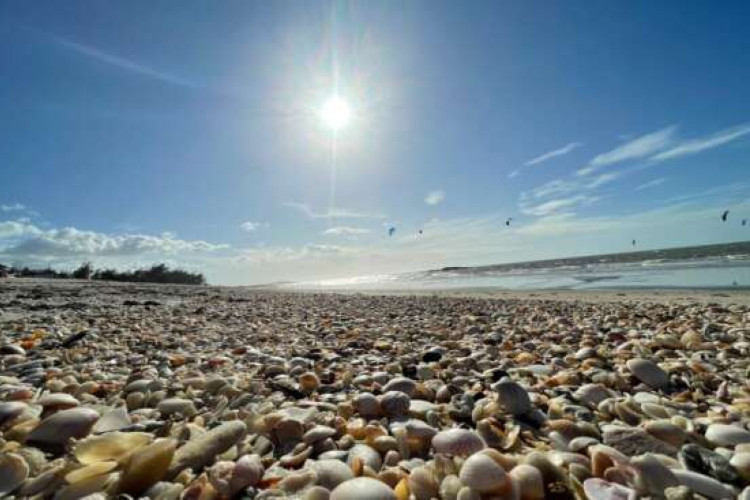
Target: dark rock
704	461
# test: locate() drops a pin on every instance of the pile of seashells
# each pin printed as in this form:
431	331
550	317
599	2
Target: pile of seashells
222	393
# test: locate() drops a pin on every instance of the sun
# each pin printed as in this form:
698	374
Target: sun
336	113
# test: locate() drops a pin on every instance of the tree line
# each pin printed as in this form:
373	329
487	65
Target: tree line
158	273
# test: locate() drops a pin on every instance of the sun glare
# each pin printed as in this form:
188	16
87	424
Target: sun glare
336	113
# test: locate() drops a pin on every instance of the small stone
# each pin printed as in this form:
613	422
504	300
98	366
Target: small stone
648	372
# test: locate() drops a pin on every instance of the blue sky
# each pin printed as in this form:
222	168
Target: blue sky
189	132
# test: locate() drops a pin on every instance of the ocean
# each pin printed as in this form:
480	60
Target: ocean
705	267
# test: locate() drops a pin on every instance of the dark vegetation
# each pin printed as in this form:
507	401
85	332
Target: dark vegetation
158	273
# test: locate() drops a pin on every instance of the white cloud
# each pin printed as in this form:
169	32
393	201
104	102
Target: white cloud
13	207
514	173
345	231
636	149
435	197
694	146
651	184
287	254
554	153
603	179
334	213
251	226
26	240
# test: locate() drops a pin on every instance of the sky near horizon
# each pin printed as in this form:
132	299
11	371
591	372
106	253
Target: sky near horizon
189	132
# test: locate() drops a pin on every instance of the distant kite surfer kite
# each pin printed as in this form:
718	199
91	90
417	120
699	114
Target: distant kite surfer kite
507	222
391	231
725	215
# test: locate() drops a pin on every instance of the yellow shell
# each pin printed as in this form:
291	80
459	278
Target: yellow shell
111	446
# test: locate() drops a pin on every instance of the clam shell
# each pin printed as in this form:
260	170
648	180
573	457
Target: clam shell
171	406
727	435
528	481
13	472
512	397
363	488
331	473
204	449
423	484
457	441
482	474
704	485
57	429
648	372
367	455
599	489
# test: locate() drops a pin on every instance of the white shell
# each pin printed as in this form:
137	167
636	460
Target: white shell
481	473
363	488
727	435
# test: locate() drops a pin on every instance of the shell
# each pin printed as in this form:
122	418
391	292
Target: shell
727	435
13	472
704	485
56	430
112	420
171	406
512	397
331	473
203	449
89	471
528	481
457	441
363	488
653	476
599	489
648	372
423	484
147	466
112	446
483	474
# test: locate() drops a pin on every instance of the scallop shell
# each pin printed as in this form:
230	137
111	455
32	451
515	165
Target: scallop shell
423	484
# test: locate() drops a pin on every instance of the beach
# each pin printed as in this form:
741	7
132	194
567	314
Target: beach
167	391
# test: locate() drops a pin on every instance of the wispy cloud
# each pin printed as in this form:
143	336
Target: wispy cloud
651	184
333	213
552	206
345	231
120	62
514	173
700	144
251	226
554	153
639	148
435	197
13	207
